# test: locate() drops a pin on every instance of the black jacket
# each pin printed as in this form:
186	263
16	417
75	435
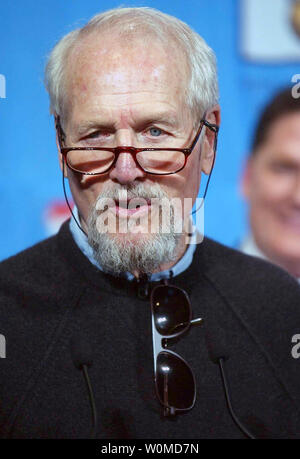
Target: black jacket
51	293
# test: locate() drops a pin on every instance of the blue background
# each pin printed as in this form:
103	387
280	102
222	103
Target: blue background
30	176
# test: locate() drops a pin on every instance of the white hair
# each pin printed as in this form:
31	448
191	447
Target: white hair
202	88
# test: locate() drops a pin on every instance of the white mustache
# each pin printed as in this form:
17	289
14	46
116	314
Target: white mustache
123	196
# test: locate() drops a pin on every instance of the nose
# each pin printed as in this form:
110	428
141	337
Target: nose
126	169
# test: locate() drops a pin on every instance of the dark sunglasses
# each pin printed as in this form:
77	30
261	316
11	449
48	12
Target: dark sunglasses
174	379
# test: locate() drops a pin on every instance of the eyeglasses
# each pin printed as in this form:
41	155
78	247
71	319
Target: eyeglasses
174	379
155	161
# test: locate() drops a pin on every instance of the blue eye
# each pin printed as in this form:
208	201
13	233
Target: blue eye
94	135
155	131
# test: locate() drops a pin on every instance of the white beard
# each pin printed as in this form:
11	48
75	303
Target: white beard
119	253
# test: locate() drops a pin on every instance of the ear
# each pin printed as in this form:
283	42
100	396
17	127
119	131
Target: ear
60	156
213	116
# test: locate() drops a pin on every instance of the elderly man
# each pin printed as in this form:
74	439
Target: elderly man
116	299
271	184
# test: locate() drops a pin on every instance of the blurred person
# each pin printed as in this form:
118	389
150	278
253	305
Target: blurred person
113	314
271	184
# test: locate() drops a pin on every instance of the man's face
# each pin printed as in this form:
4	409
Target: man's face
130	96
272	186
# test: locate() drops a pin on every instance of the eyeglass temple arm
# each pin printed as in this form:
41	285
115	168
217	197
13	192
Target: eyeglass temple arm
211	126
60	132
198	321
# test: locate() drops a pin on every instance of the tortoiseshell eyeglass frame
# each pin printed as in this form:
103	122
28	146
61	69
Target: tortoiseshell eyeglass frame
132	150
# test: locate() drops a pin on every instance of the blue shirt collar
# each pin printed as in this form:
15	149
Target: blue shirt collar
184	262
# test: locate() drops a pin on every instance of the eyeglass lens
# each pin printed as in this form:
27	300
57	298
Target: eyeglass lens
98	161
171	309
174	381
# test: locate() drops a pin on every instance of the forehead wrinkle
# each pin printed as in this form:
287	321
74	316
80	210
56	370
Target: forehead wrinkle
101	96
106	104
166	118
